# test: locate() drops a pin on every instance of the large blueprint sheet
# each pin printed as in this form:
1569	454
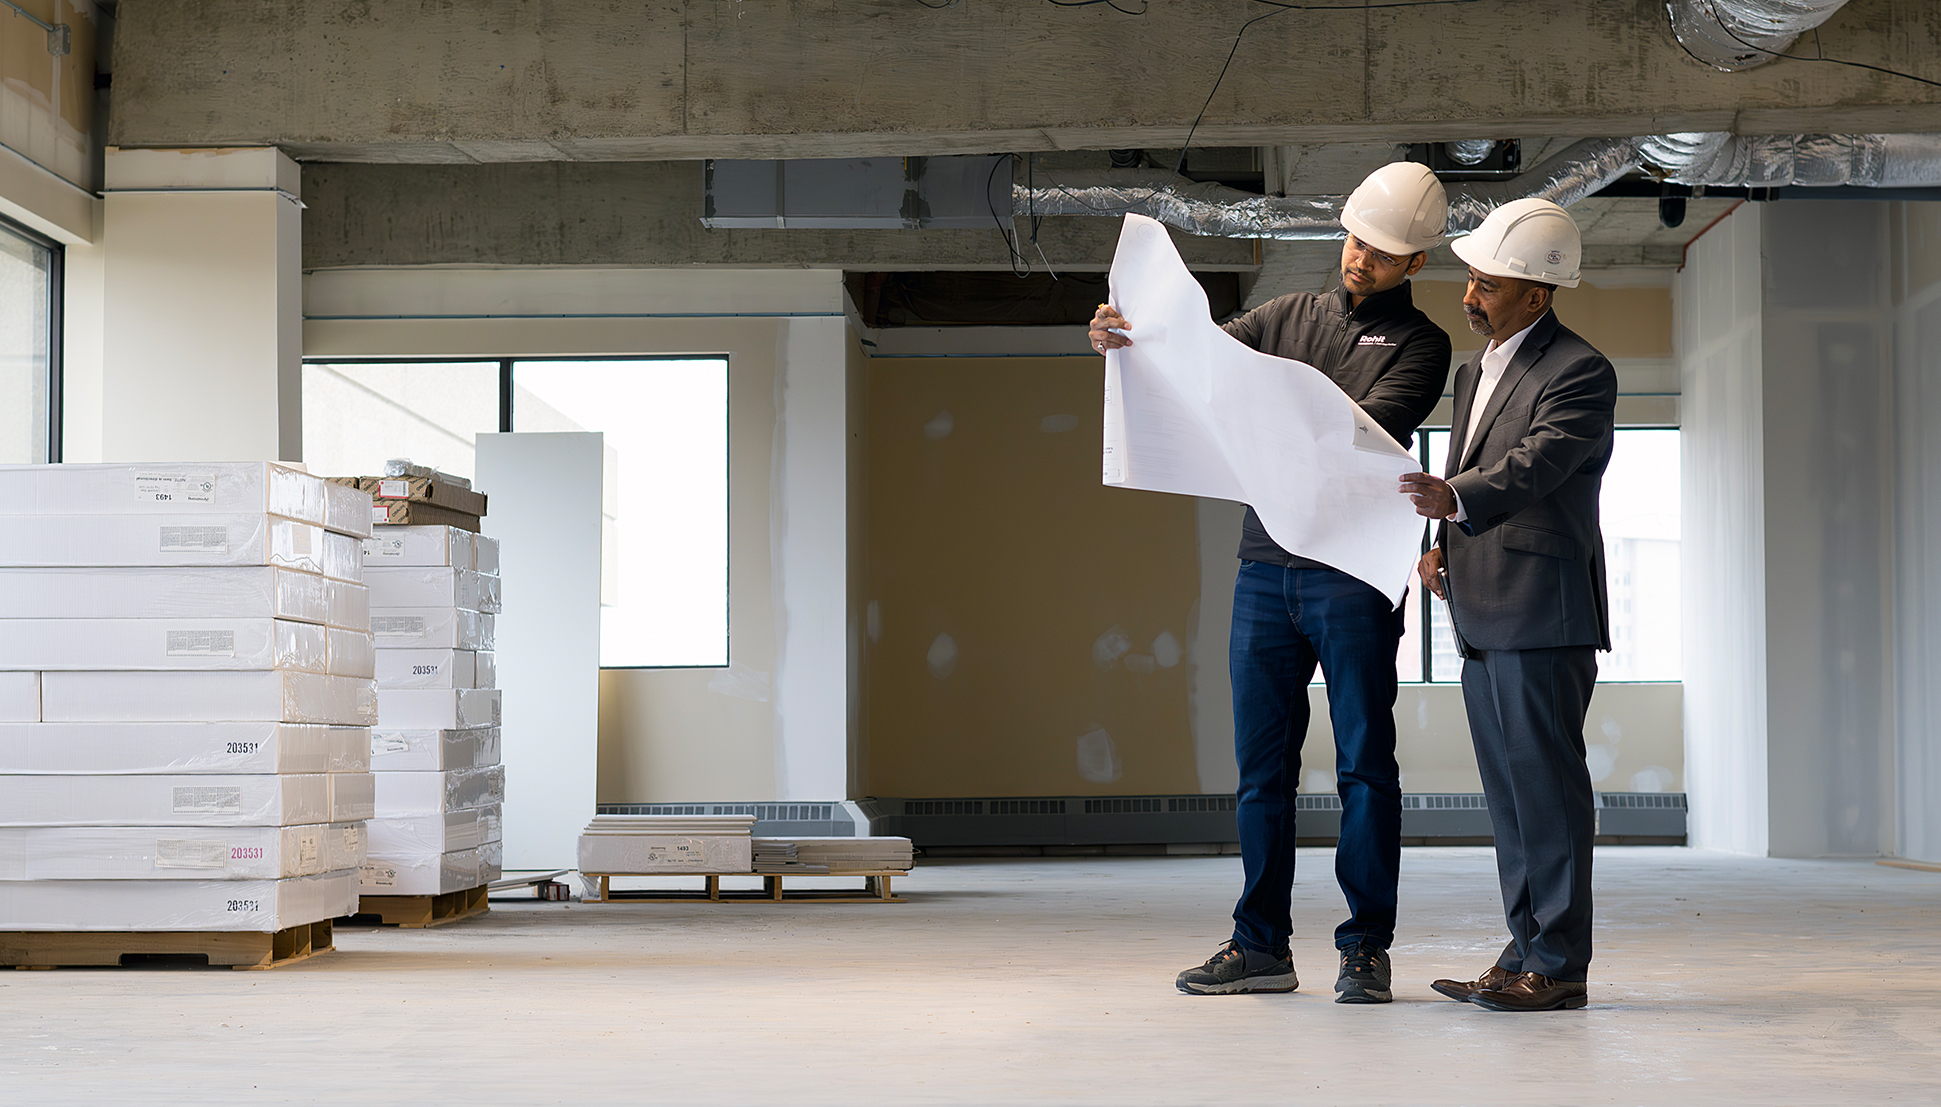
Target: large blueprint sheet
1190	409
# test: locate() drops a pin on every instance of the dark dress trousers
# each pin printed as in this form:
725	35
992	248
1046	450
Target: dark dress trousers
1527	591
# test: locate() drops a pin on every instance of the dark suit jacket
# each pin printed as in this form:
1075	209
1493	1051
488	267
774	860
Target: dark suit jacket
1526	567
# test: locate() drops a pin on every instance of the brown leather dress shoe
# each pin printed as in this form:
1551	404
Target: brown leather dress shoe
1529	991
1461	990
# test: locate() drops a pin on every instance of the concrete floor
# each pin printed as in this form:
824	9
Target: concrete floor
1719	979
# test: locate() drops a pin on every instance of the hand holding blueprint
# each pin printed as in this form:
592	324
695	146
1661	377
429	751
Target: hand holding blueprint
1190	409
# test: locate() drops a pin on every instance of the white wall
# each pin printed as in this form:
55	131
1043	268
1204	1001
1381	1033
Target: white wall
777	724
1719	343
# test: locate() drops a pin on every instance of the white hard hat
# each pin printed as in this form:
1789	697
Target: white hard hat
1531	239
1400	209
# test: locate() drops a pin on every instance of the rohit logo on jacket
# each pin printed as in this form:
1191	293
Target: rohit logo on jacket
1374	340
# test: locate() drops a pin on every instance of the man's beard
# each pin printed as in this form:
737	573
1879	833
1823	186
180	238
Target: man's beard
1479	324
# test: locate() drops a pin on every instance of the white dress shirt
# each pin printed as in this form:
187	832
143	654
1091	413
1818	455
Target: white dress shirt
1495	360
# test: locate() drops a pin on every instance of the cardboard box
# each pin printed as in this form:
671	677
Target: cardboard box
262	906
165	800
347	606
275	696
427	669
48	541
644	854
437	708
246	747
394	586
414	628
353	796
162	644
410	835
432	793
347	509
239	592
19	697
262	488
424	490
433	750
447	546
178	853
424	874
406	514
350	653
485	555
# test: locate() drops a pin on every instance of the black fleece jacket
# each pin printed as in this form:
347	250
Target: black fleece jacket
1385	354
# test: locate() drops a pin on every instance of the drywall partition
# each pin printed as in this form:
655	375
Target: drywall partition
202	323
1723	556
1829	479
672	734
1034	633
545	491
811	528
1916	231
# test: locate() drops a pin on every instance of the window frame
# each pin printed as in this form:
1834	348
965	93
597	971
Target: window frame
55	321
507	416
1425	603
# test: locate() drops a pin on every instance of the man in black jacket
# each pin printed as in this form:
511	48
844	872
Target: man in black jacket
1291	614
1520	560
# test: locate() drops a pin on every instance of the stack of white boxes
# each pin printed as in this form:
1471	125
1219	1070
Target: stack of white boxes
435	753
186	692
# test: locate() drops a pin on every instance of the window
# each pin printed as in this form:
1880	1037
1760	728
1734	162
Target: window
664	579
664	572
1639	513
30	348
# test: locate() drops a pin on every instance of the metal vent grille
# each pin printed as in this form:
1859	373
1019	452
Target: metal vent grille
784	812
1201	803
1027	807
1660	800
1445	801
1131	806
943	807
1318	802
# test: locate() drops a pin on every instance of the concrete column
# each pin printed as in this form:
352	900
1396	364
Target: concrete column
203	315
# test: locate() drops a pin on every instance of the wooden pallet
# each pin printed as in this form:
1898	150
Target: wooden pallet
876	889
419	912
50	950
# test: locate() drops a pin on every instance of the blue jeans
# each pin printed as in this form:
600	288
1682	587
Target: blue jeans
1285	622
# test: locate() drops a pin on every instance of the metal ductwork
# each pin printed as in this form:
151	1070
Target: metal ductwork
1775	161
1740	34
1215	210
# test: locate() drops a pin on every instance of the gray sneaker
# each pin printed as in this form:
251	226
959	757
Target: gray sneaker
1236	969
1364	975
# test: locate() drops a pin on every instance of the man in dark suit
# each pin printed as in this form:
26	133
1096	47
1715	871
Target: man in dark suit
1519	558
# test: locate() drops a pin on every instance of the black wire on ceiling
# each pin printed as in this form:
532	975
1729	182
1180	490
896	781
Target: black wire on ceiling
1819	51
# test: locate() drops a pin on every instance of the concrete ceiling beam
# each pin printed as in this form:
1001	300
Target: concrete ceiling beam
610	80
644	214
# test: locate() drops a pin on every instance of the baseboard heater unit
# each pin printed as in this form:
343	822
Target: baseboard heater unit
772	820
1656	818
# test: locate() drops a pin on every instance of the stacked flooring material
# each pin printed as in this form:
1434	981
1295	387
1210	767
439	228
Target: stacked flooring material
434	592
186	692
647	844
412	495
832	855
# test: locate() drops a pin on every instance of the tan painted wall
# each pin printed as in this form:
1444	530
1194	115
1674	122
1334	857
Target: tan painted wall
989	529
1621	322
1000	536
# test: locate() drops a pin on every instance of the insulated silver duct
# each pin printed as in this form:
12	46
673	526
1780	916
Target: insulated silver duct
1739	34
1773	161
1469	151
1217	211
